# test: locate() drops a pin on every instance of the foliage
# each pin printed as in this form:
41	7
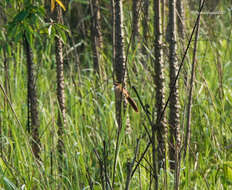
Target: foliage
91	108
26	22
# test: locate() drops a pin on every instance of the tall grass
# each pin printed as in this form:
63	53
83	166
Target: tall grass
91	123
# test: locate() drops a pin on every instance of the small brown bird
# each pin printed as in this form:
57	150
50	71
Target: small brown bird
127	96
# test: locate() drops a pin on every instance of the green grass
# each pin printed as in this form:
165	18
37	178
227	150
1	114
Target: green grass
91	121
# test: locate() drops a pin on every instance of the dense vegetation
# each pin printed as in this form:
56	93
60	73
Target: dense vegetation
90	134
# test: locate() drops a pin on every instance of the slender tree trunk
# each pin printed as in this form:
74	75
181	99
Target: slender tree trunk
33	118
159	83
181	33
119	68
61	122
119	59
145	22
135	22
180	19
174	95
96	35
162	15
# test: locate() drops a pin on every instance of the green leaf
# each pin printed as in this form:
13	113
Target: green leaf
227	169
49	30
18	36
60	31
63	36
2	35
21	16
9	184
16	32
12	28
29	21
62	27
8	48
29	34
5	181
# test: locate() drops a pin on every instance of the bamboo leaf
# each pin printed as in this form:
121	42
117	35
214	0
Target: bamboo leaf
61	4
21	16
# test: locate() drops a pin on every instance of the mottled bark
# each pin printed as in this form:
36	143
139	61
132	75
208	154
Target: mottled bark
119	68
119	46
174	118
61	122
162	14
159	83
135	22
145	21
33	118
181	33
119	59
180	19
96	36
